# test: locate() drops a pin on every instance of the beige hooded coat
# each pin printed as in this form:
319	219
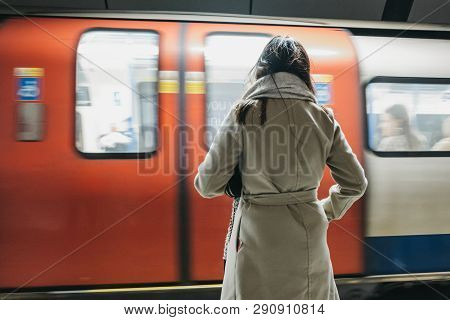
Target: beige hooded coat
278	246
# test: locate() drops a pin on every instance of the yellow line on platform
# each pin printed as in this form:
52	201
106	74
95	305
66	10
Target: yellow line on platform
434	276
164	288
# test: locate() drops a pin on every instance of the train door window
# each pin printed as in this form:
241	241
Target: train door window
225	72
116	92
408	116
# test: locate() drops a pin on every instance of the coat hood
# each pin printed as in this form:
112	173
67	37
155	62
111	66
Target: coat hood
289	85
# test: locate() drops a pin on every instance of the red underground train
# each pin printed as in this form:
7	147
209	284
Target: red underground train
103	122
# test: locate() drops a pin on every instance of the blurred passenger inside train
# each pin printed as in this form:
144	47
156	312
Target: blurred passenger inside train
444	143
114	140
396	131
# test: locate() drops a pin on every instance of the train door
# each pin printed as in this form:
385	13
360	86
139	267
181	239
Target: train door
218	57
90	199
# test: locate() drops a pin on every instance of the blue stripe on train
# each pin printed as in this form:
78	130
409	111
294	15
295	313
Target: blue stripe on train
417	253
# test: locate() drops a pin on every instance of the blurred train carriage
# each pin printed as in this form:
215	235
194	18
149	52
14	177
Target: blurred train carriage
96	175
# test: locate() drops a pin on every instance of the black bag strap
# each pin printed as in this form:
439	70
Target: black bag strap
291	124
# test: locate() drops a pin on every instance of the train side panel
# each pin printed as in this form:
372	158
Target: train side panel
70	219
407	223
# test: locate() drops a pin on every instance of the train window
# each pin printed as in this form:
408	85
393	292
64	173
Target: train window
116	92
226	71
408	115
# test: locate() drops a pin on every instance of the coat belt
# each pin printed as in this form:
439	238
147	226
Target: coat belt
282	198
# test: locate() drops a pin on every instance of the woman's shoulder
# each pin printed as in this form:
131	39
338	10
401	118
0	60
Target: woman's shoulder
306	111
325	113
442	145
306	104
394	143
321	116
328	111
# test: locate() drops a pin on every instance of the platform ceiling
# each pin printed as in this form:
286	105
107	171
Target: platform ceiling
426	11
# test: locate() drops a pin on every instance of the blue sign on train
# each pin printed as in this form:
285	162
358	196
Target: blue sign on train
28	88
323	93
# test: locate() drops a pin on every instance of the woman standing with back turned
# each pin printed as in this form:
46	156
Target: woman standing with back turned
282	141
